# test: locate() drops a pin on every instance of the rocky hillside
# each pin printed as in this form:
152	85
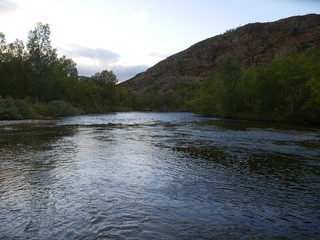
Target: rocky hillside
251	44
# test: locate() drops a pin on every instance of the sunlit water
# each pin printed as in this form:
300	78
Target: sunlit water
159	176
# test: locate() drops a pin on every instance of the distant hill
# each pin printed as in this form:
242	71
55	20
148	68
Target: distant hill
250	44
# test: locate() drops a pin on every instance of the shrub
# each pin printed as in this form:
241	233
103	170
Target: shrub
58	108
11	109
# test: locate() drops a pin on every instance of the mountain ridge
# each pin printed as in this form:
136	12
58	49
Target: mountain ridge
251	44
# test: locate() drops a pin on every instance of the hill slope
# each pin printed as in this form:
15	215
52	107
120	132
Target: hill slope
251	44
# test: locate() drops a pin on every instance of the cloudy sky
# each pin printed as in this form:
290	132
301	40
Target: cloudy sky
128	36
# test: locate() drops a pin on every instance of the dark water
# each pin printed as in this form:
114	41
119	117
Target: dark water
159	176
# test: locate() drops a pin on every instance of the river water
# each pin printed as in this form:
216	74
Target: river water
158	176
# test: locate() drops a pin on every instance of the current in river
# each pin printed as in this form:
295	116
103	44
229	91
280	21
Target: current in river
158	176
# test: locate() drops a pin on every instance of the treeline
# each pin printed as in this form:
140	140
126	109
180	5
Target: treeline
35	82
176	100
285	89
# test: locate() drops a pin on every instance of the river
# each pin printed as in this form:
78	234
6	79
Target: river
158	176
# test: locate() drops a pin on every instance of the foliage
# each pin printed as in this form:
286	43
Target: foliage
125	98
57	108
51	83
35	82
15	109
176	100
41	58
105	77
286	89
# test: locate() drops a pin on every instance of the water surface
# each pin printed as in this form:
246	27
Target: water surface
158	176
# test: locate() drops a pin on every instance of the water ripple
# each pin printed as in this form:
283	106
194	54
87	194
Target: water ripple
158	176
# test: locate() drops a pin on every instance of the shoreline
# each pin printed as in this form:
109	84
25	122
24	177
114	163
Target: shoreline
24	121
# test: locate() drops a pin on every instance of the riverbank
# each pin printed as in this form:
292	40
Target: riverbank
25	121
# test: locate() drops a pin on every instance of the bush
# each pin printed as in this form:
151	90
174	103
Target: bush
11	109
57	108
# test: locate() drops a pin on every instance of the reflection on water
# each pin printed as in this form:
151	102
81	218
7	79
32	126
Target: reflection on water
158	176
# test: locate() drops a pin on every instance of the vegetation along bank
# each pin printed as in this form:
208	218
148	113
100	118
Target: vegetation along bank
36	83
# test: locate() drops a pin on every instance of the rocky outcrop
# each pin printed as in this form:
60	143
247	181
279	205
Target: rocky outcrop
251	44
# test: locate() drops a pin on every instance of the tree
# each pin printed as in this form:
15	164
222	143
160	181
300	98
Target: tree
105	77
17	70
3	64
107	81
227	87
218	94
64	79
35	77
41	57
3	48
12	67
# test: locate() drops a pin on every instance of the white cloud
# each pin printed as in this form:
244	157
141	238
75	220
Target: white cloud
99	54
92	60
7	7
121	71
126	72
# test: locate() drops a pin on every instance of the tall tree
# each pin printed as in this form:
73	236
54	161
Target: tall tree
3	61
17	70
41	57
3	48
106	80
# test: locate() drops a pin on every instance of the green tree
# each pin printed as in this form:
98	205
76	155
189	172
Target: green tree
286	89
226	84
41	57
124	97
105	78
3	48
219	93
65	80
107	81
12	68
18	71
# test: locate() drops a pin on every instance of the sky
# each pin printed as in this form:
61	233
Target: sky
129	36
